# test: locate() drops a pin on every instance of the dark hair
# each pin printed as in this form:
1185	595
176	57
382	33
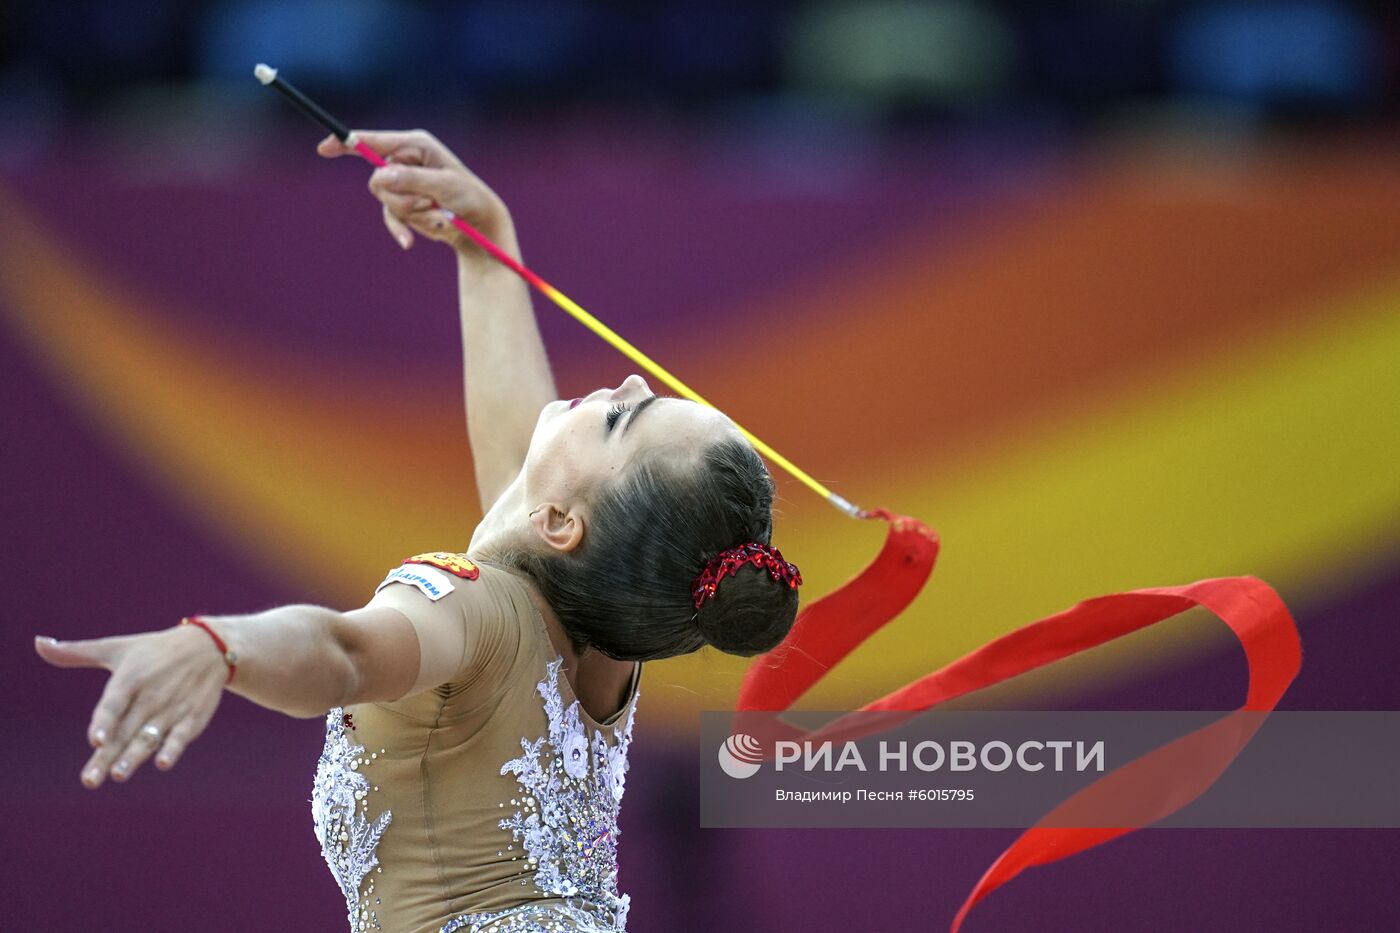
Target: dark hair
626	589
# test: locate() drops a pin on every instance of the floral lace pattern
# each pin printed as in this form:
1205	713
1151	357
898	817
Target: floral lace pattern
572	790
339	815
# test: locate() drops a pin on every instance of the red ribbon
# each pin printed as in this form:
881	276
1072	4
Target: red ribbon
1141	792
830	628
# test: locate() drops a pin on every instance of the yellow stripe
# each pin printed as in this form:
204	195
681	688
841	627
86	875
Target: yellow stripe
657	370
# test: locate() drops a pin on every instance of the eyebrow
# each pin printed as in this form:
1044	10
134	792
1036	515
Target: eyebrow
647	401
641	406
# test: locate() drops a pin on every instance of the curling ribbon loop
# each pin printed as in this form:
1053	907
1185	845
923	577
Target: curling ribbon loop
831	627
1154	786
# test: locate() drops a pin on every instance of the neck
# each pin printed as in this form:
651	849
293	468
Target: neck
505	526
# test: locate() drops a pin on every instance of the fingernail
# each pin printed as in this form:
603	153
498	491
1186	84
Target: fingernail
163	762
90	776
392	175
122	767
404	240
48	640
100	736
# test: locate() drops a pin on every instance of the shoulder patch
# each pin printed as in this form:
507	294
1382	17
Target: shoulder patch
430	583
455	564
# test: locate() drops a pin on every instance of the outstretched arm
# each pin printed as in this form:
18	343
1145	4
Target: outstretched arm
297	660
507	375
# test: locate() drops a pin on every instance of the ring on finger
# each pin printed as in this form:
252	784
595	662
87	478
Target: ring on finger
151	731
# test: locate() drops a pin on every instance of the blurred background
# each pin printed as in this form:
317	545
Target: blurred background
1105	292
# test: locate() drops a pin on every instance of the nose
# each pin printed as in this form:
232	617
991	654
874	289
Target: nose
633	387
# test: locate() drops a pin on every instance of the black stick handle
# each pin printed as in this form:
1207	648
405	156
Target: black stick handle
306	105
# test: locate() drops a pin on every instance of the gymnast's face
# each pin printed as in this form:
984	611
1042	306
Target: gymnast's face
582	444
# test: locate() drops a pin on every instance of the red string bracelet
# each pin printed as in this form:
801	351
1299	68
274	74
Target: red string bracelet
229	657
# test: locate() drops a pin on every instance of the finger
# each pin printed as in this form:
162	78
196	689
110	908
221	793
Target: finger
116	699
400	204
431	224
148	705
436	224
410	155
142	744
406	146
399	210
93	652
442	185
407	152
118	736
99	763
397	229
184	732
331	147
95	771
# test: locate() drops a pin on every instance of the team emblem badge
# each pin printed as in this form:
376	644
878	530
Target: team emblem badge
455	564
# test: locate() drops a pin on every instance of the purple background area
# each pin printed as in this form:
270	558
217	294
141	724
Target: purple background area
225	842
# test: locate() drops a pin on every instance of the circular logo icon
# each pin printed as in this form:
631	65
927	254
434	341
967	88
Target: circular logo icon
740	755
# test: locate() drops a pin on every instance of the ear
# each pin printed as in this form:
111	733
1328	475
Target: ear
561	529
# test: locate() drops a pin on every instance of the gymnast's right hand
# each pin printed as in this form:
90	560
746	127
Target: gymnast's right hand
423	176
164	689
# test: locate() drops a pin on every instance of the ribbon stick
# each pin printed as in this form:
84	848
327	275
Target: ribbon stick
269	77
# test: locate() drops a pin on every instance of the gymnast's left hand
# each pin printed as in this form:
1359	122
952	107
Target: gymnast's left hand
170	680
423	177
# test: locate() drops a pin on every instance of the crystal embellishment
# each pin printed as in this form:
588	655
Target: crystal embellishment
339	814
572	789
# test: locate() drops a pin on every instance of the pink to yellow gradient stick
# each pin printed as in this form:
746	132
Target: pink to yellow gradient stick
269	77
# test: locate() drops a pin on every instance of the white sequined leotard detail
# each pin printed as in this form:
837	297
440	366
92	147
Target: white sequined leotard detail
571	791
347	836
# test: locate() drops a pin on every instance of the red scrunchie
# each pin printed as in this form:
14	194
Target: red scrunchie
728	562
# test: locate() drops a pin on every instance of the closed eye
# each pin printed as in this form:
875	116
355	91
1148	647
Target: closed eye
617	411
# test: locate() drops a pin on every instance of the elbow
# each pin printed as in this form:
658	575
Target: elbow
335	674
300	663
344	666
376	656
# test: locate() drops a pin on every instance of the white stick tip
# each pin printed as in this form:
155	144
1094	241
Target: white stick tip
265	73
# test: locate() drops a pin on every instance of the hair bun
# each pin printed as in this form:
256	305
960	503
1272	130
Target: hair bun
755	607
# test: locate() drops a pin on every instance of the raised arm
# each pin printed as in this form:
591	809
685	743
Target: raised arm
506	372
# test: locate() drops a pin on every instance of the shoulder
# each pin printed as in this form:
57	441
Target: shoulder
435	575
449	587
464	613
